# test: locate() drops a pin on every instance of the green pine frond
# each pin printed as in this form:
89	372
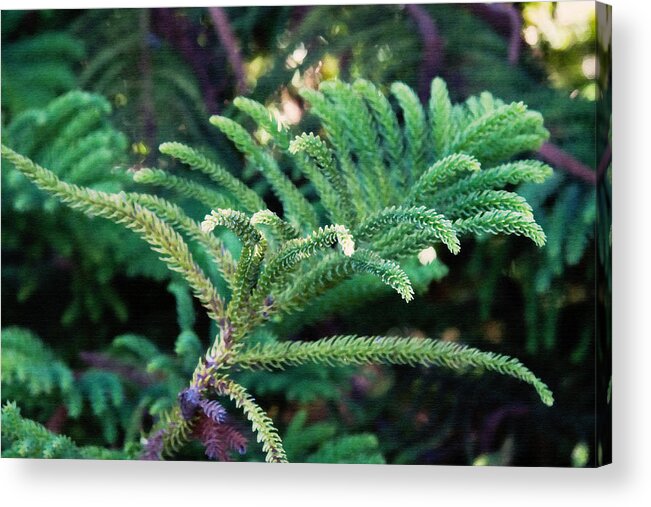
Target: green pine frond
117	207
341	350
176	217
336	133
300	437
235	221
512	173
251	257
442	172
262	424
137	345
248	272
502	221
334	269
440	117
27	363
185	187
318	164
103	389
184	308
389	128
23	438
197	161
415	131
386	270
188	348
363	139
422	218
29	82
467	205
404	241
282	263
265	120
298	210
323	156
501	133
283	231
362	449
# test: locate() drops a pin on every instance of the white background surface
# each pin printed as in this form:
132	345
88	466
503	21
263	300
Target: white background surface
626	483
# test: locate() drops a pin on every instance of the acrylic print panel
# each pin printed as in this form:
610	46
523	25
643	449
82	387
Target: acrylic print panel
352	234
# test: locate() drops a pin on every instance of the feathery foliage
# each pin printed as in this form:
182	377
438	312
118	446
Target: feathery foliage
345	350
27	439
288	259
30	367
29	82
73	136
165	100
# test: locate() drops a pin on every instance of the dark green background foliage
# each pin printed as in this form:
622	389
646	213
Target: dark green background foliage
98	337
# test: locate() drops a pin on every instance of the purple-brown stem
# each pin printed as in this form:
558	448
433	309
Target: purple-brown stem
147	90
229	41
182	34
559	158
604	162
506	20
432	47
105	362
58	419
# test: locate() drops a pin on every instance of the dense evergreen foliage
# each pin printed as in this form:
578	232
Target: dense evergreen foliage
319	230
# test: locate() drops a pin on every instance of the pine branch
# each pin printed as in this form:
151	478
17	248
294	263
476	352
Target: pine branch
389	128
403	241
118	208
281	264
248	272
199	162
500	133
336	133
254	248
440	117
421	217
502	221
472	203
342	350
334	269
185	187
235	221
24	438
175	216
261	423
443	172
363	139
513	173
323	158
282	230
265	120
297	209
386	270
415	129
